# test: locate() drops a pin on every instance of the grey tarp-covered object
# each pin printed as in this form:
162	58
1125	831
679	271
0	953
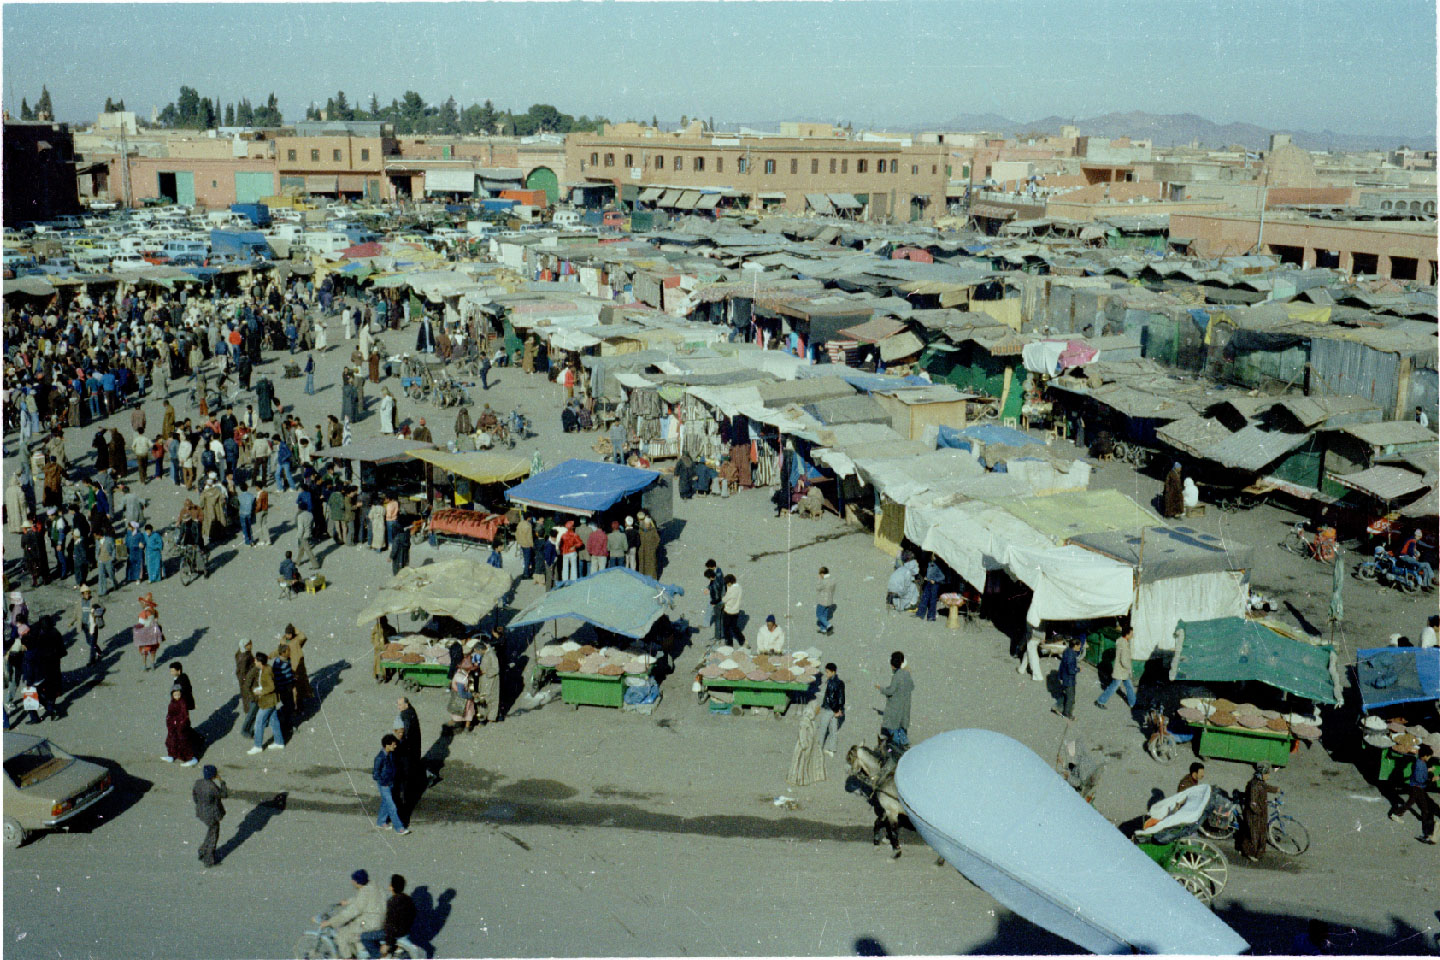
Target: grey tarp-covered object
1386	676
617	599
454	587
1167	552
377	450
1232	649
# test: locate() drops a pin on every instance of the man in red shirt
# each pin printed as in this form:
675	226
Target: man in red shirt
597	545
570	544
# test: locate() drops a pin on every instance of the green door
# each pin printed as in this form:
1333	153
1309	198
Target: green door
250	186
185	189
543	178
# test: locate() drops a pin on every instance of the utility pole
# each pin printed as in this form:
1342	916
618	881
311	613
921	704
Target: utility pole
125	195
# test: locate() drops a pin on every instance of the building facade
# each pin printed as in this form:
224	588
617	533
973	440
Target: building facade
1399	250
783	174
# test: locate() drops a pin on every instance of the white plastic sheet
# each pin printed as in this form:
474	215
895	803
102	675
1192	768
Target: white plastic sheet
1160	605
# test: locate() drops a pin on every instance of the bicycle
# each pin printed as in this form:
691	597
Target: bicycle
1282	831
320	943
1317	548
1161	744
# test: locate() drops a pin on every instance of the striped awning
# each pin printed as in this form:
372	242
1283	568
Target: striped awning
687	200
651	194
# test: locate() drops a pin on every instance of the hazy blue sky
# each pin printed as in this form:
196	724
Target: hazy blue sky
1311	64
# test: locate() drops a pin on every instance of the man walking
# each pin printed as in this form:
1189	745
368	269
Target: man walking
825	603
525	539
1069	674
715	588
832	707
88	618
382	771
930	592
304	526
267	702
1421	773
896	720
208	791
1120	671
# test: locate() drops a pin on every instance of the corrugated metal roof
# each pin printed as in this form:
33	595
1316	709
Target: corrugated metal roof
1389	432
1383	483
810	390
873	330
1253	447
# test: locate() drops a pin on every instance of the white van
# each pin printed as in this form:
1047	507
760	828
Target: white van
566	218
327	243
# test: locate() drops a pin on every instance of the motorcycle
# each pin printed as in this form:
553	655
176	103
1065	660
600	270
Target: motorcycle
1383	568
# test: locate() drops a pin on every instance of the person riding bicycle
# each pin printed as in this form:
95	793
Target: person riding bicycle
399	917
362	913
189	538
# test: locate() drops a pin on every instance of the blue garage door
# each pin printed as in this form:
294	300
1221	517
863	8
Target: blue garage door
251	186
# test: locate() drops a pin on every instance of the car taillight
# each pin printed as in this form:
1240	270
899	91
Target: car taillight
61	808
104	783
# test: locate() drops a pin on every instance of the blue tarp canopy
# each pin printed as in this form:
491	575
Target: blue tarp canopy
616	599
1390	675
581	486
990	433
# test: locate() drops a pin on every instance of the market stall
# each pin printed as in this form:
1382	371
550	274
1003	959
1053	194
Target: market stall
596	669
588	487
1235	650
478	481
734	677
461	590
381	461
1390	677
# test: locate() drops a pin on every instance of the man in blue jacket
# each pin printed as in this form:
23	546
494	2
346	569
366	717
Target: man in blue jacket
383	773
1069	673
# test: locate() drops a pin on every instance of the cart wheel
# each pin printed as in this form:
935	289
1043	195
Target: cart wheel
1198	885
1203	859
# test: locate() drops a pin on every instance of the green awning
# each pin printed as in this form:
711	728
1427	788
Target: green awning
1232	649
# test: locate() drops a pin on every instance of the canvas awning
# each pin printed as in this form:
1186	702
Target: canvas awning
1233	649
845	201
707	201
30	287
581	486
322	183
651	194
481	467
903	344
687	200
1390	675
617	599
450	181
454	587
1382	483
770	195
668	200
378	450
819	203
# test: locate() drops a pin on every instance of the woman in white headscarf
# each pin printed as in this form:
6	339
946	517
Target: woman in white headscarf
387	412
807	763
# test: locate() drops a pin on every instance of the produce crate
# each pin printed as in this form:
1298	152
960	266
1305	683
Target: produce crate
759	693
419	674
1246	745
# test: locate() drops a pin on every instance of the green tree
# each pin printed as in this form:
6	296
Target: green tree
412	113
25	112
245	114
546	119
43	108
654	121
187	108
169	117
374	107
448	117
341	109
229	114
269	115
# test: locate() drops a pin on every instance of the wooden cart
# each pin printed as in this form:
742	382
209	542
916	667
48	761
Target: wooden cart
415	676
758	693
1245	744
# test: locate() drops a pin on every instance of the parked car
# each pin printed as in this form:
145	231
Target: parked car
45	787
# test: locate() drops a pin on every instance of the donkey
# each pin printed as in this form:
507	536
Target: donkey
871	767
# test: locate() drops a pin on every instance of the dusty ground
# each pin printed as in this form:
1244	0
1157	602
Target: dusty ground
596	832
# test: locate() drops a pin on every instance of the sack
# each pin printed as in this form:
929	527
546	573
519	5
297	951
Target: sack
456	706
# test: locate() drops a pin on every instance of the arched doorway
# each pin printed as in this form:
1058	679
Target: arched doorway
543	178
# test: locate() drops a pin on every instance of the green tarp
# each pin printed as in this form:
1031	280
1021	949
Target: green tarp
1075	513
1231	649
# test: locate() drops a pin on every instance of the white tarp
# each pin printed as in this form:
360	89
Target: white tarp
567	338
1071	583
1043	356
903	480
450	181
1161	604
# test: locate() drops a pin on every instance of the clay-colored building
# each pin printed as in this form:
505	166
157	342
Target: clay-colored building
1400	250
885	180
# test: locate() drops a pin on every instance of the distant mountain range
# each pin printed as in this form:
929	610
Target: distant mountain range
1166	130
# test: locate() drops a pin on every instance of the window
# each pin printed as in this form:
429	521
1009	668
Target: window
844	165
895	165
742	164
214	184
1403	268
934	168
814	166
629	160
769	166
335	155
832	164
609	159
364	154
594	159
659	161
290	155
794	165
914	169
862	166
314	156
697	164
719	164
879	166
679	163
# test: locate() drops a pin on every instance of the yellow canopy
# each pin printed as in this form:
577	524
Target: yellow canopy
480	467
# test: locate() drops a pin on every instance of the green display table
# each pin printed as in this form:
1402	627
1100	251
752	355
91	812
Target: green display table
1244	744
591	689
1395	767
758	693
419	674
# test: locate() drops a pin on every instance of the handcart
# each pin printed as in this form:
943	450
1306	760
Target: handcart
1170	838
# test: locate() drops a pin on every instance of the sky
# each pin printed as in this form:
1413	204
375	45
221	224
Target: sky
1286	64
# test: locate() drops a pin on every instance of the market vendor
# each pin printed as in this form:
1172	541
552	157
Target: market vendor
770	638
